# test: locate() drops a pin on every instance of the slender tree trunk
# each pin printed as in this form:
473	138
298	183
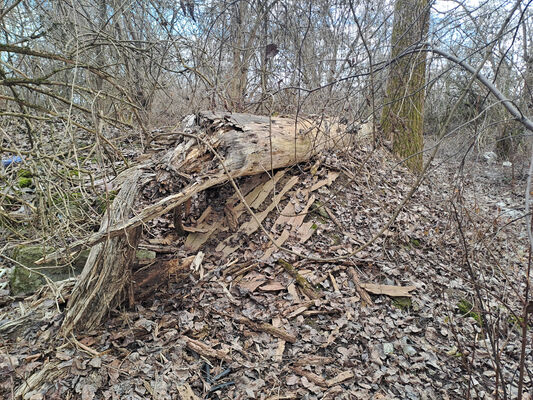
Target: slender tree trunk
403	113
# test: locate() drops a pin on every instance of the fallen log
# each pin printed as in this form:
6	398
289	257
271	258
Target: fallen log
246	145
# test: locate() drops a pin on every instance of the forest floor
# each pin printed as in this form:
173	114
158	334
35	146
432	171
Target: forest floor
230	322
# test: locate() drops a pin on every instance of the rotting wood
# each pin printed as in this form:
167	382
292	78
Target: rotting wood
251	226
286	396
108	268
148	280
48	373
232	212
245	143
204	350
248	145
311	376
362	292
314	360
304	284
266	327
343	376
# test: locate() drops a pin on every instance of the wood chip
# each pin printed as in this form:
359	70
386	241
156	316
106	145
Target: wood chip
334	283
268	328
299	308
293	292
278	355
286	396
343	376
311	377
204	215
314	360
204	350
388	290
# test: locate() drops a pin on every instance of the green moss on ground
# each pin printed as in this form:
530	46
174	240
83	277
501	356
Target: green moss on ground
466	309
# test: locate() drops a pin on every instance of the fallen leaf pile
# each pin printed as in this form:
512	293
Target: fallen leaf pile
234	317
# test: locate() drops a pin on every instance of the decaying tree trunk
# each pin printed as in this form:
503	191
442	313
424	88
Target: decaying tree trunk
101	284
247	144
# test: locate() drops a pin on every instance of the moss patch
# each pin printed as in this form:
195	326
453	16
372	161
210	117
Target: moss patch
466	309
402	303
24	182
319	209
23	280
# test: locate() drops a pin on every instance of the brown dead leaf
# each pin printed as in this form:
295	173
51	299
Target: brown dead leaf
252	281
272	287
185	392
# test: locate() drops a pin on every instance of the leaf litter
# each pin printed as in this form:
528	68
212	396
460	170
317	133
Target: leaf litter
227	319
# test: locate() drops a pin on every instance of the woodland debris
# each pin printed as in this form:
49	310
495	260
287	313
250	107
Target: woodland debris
204	350
388	290
311	377
278	356
314	360
101	285
228	146
286	396
343	376
49	373
304	284
358	286
149	279
185	392
266	327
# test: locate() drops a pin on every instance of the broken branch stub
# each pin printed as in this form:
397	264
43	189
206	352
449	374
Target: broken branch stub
247	145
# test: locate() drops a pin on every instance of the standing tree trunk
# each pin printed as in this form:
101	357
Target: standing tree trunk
403	112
